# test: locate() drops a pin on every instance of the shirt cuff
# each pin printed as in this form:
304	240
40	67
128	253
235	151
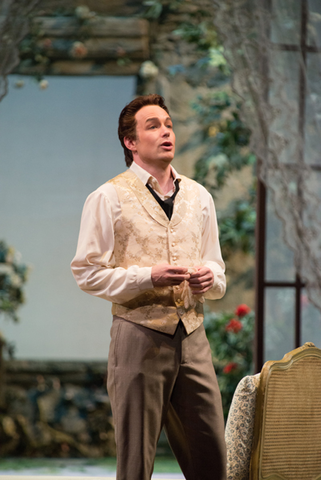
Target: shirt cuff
144	278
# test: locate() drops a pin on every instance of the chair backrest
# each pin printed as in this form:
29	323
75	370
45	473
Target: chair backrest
287	428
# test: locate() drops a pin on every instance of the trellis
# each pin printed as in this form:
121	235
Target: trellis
111	46
113	41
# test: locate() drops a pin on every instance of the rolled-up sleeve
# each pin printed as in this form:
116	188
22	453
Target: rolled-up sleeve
94	266
211	250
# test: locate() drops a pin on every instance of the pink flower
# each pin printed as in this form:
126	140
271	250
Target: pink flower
230	367
78	50
121	52
233	326
47	43
242	310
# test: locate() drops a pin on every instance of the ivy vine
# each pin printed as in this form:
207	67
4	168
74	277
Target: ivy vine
226	140
225	137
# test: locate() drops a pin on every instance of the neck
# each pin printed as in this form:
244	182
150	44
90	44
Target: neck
162	175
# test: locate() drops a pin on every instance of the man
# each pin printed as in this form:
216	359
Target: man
148	243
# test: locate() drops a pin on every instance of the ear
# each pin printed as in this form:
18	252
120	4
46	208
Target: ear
130	143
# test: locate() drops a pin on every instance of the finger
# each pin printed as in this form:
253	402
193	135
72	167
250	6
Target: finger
200	292
177	279
201	288
178	270
202	285
199	280
195	275
200	271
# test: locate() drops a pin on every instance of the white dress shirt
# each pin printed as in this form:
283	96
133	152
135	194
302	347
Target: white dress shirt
94	264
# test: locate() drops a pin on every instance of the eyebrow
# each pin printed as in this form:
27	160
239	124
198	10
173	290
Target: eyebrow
156	118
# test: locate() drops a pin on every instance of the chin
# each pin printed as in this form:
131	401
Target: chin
169	156
167	159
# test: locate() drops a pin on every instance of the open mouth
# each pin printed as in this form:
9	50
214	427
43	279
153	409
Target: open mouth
166	144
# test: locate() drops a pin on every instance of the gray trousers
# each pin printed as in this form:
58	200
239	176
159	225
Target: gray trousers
155	380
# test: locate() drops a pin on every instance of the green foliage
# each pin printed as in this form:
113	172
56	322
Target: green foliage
155	9
13	275
31	51
217	59
198	33
226	139
224	135
237	226
231	339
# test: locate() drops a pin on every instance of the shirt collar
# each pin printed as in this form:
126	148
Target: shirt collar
146	177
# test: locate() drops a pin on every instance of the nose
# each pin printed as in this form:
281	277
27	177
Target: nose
165	131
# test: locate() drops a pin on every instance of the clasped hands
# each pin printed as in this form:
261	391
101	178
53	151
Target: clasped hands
165	275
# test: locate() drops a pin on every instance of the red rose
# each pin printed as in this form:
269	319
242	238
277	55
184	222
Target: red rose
233	326
242	310
230	367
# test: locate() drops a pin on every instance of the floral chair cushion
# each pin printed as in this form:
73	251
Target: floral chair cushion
239	428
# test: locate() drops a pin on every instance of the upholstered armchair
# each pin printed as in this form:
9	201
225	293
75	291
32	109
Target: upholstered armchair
273	431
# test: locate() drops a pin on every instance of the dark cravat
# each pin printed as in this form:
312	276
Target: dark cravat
168	204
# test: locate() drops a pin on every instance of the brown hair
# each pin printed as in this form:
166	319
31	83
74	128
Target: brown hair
127	120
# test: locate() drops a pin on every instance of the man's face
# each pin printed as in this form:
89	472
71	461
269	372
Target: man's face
155	139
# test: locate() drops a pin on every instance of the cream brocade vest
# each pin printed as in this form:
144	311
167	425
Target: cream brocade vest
144	236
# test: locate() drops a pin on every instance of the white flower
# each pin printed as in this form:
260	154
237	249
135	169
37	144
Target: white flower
43	84
15	280
218	160
83	12
19	83
6	269
148	70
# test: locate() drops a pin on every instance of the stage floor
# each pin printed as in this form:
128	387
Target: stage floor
78	469
46	477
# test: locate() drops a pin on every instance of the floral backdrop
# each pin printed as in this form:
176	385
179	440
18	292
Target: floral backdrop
13	275
231	337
